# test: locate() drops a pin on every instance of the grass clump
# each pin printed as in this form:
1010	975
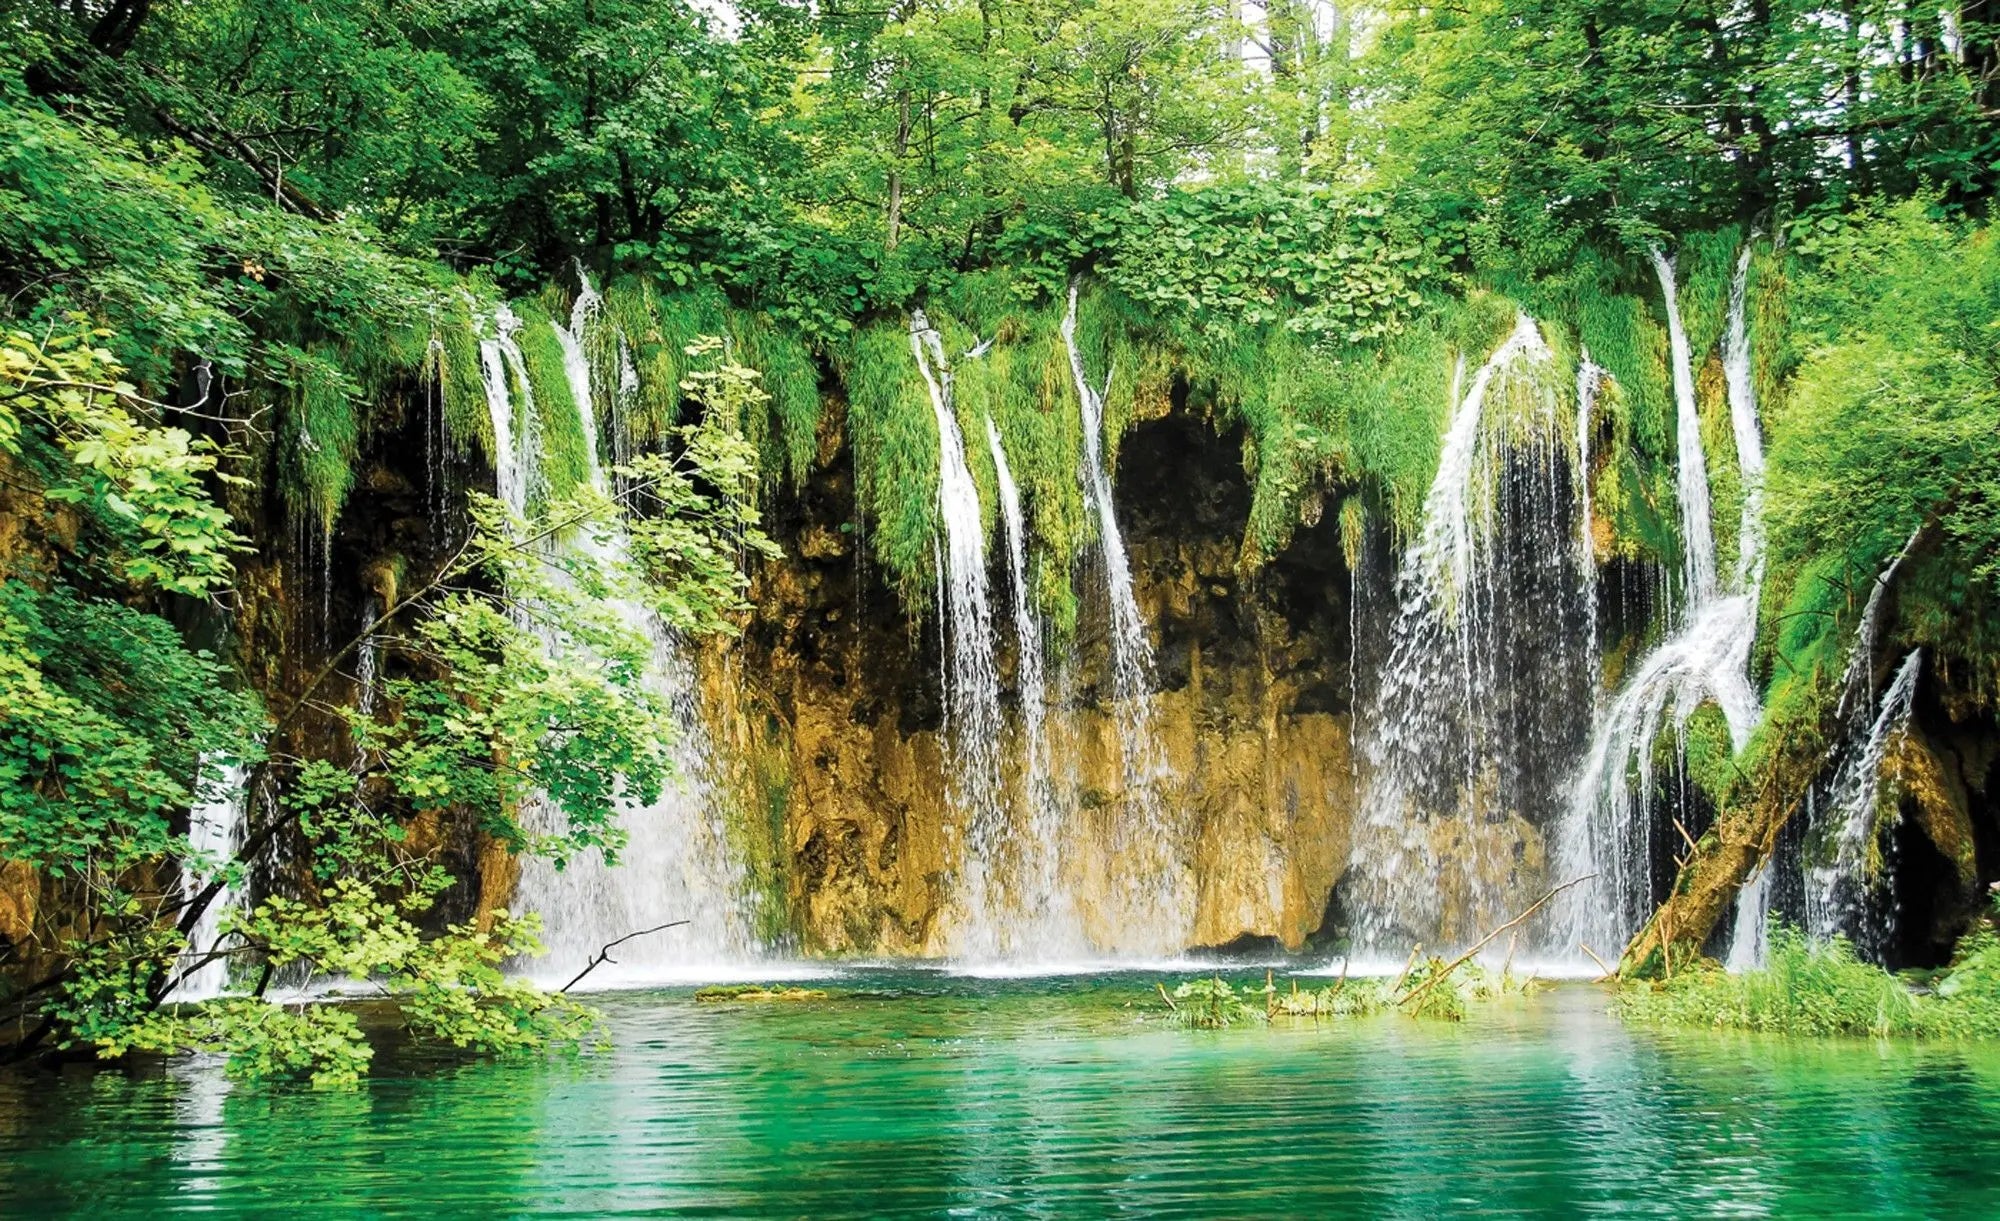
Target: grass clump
658	328
895	438
1348	998
1209	1004
1821	988
787	432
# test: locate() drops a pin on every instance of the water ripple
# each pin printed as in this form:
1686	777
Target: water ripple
1038	1098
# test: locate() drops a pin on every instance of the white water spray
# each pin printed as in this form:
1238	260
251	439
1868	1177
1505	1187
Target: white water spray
1749	945
676	863
971	678
1156	884
1468	714
500	358
216	828
1697	525
1609	828
1857	688
1742	393
1839	882
1131	652
1045	921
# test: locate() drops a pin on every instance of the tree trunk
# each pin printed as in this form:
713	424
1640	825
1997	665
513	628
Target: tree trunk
902	149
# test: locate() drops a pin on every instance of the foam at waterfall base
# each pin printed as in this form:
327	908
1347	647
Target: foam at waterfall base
615	978
1059	969
1372	966
612	977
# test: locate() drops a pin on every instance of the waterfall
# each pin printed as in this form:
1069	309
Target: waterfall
1857	686
971	678
367	660
498	358
1697	527
676	863
1589	384
1609	828
1046	925
1839	881
1742	394
1131	653
1483	692
216	827
1156	885
1749	944
367	664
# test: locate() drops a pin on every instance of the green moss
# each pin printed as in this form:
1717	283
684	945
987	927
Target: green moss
659	327
1725	474
1711	754
1808	617
894	436
462	384
1023	384
1124	342
554	430
1399	404
787	435
758	992
320	437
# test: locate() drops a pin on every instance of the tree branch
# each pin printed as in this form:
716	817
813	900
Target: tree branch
604	955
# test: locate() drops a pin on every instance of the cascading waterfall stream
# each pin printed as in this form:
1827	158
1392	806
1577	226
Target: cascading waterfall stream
971	678
1609	828
1589	384
216	828
1490	635
1157	884
1857	727
1047	925
1742	394
676	863
1857	686
1749	944
1839	882
499	359
1131	652
1697	524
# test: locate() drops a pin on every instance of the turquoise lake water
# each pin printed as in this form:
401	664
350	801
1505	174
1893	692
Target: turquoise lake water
925	1094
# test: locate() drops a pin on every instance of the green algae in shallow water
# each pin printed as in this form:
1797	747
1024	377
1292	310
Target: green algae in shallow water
758	992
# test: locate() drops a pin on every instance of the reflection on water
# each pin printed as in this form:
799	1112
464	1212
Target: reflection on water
930	1093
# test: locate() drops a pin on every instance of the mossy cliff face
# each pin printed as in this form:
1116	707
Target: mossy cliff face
837	717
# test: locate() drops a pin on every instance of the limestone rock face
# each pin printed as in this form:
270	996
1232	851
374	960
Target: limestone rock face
835	692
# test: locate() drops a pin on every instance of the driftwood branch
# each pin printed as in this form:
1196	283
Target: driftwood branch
1487	940
1410	965
604	955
